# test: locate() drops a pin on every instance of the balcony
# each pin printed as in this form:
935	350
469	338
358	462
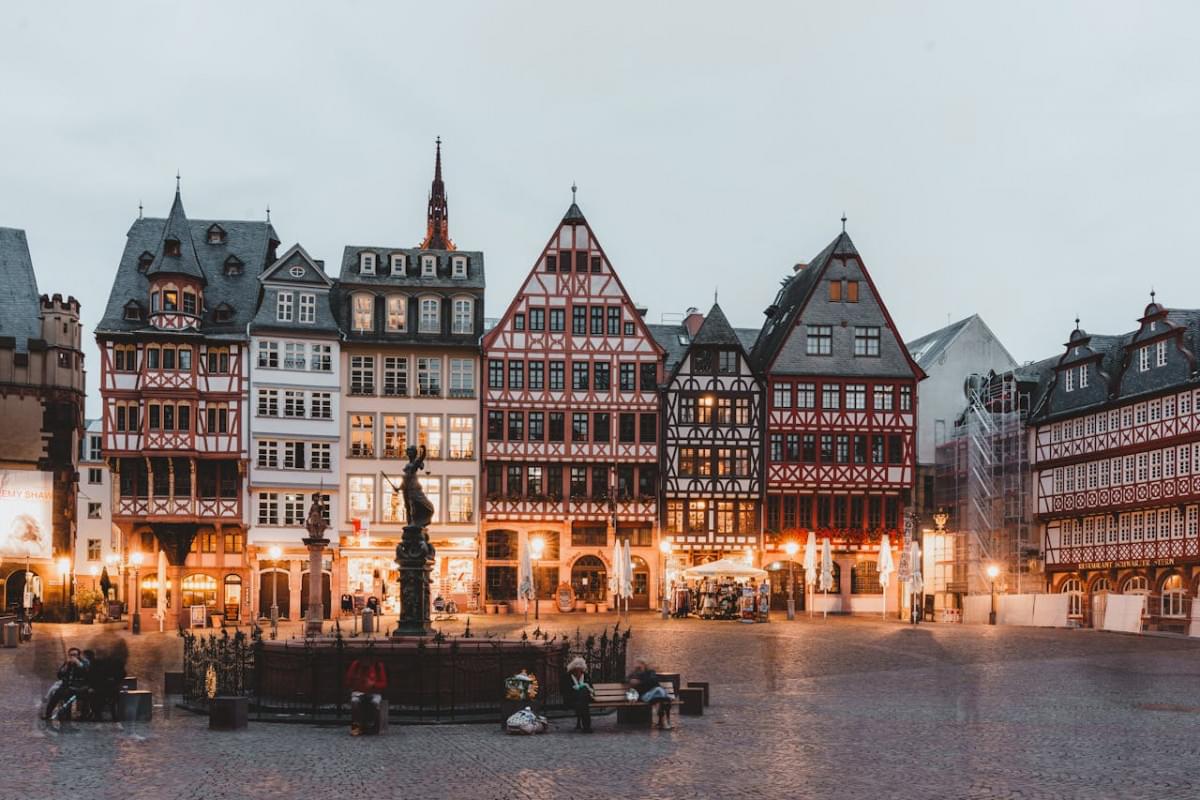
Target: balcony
150	507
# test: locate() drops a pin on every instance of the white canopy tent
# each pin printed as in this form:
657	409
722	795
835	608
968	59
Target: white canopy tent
724	568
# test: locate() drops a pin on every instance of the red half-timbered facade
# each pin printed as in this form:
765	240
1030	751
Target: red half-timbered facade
1117	467
172	366
840	415
571	417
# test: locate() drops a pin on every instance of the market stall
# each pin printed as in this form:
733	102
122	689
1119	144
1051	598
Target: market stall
728	589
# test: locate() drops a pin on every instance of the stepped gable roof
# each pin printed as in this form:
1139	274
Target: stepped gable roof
251	243
177	229
791	298
20	302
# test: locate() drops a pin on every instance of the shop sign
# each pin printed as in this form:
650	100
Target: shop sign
1131	563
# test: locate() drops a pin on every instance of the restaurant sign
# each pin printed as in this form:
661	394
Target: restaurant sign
1135	562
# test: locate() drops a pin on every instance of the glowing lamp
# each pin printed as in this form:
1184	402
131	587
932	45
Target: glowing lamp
791	548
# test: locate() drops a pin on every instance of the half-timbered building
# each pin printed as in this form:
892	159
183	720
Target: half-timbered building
840	419
711	459
1117	466
294	419
173	361
572	425
411	319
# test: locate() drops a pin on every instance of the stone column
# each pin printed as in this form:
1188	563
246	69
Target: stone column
294	583
415	558
313	623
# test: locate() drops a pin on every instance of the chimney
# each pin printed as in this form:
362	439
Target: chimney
693	321
798	267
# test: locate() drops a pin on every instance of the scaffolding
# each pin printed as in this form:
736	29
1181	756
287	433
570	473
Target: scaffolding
983	480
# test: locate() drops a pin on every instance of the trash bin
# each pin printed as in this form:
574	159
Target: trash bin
368	620
11	634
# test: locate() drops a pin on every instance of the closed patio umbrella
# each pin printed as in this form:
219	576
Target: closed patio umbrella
917	584
826	570
161	610
627	574
885	566
525	583
810	566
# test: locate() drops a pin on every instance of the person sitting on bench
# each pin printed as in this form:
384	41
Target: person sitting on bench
580	694
645	680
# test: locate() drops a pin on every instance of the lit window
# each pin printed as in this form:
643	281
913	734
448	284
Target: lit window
397	306
429	435
363	312
362	435
361	496
461	499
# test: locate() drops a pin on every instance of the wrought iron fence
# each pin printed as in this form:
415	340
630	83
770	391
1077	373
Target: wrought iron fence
442	678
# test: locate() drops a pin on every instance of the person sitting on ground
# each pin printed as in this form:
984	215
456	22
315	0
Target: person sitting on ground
580	694
645	680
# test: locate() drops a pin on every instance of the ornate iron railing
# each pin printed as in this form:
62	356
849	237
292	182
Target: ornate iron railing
441	678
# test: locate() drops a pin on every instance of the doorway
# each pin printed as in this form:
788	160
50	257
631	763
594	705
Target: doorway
326	594
233	598
272	584
641	584
778	577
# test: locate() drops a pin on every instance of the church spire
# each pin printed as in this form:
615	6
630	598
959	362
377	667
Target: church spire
437	223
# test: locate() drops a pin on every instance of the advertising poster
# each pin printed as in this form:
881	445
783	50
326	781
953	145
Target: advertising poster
26	505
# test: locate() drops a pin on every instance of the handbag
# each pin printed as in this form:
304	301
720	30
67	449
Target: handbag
632	695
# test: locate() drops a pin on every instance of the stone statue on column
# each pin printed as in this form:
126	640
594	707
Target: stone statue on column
415	553
316	542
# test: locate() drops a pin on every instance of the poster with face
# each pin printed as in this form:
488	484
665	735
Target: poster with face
26	503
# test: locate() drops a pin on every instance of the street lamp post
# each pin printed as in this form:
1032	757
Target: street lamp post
992	572
274	552
537	546
791	548
64	570
664	547
136	613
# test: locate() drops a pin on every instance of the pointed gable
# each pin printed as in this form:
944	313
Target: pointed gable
176	251
716	330
834	295
572	273
296	266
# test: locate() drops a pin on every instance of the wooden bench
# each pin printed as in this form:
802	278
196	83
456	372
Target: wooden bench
612	695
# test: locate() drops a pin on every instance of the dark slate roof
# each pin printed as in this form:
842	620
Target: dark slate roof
250	242
1119	384
177	228
278	277
412	278
574	214
926	349
20	302
747	337
791	298
674	341
716	330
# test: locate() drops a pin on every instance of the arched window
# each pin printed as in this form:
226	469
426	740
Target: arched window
1135	585
149	591
589	579
199	590
362	311
1101	585
431	315
864	578
1173	597
464	315
501	545
1073	588
397	312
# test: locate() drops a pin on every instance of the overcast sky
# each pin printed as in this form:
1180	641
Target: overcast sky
1023	162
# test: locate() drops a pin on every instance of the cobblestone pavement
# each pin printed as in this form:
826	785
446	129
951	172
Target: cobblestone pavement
844	707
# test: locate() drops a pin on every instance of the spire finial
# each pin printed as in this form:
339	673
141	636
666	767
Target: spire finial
1076	322
1151	293
268	212
843	222
574	189
176	181
714	295
139	209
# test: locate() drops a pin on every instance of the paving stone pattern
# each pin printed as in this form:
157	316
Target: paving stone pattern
838	708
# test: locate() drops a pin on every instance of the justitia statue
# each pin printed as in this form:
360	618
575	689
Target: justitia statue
415	553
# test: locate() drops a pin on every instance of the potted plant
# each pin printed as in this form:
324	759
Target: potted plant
86	601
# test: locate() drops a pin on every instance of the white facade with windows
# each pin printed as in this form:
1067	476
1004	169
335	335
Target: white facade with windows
97	540
294	431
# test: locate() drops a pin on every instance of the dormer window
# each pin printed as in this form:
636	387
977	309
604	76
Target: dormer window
223	313
1160	354
171	247
398	264
133	311
145	260
1069	380
189	303
366	263
216	234
233	266
1143	359
1083	376
460	267
428	267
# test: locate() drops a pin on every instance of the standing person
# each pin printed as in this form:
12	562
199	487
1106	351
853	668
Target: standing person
645	680
581	694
